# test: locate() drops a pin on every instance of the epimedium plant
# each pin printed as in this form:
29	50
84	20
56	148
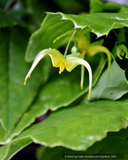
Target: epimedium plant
81	121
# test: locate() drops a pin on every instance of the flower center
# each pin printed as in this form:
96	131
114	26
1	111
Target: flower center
62	67
83	52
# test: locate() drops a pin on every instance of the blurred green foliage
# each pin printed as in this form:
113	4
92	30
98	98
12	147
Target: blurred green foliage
72	125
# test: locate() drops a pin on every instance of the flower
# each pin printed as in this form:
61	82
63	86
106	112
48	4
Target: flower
86	48
69	63
91	49
122	52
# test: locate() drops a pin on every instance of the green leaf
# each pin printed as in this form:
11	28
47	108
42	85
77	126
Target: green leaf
3	3
73	6
123	3
15	97
97	21
114	144
112	87
9	150
7	20
37	9
43	38
98	6
79	127
65	89
2	134
56	24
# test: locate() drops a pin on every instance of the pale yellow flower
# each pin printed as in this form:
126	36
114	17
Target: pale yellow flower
87	48
91	49
68	63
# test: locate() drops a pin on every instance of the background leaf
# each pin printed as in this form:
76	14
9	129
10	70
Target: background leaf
37	8
98	23
15	97
73	6
113	87
125	3
7	20
65	90
43	38
69	127
114	144
2	134
10	149
79	127
11	16
97	6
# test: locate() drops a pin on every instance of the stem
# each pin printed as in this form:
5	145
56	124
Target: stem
75	36
117	36
65	53
102	60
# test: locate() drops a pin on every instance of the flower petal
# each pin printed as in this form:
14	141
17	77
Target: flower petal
82	76
92	50
56	56
82	41
72	62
